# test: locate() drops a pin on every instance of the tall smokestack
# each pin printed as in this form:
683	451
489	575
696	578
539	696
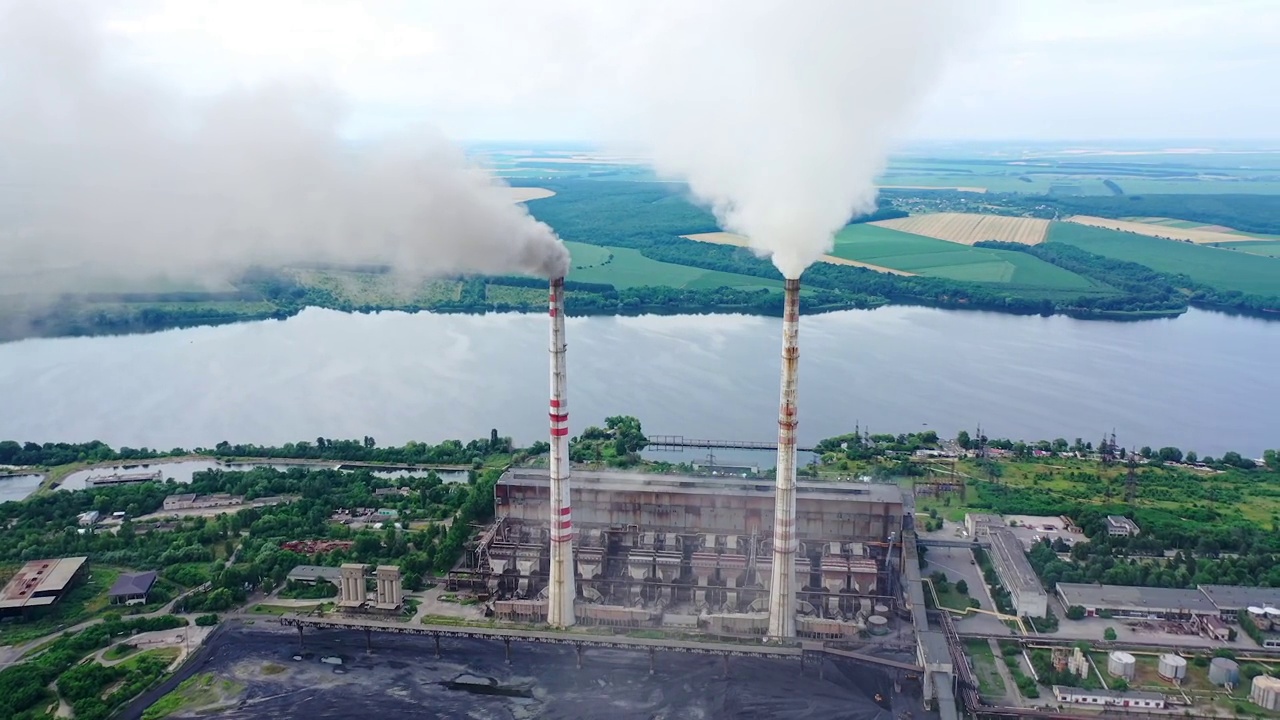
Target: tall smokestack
782	591
562	591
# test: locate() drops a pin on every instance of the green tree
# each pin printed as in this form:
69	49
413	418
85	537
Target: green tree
1109	634
1075	612
1271	459
962	587
963	439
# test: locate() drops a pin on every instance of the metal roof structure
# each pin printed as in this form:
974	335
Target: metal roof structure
1137	599
133	584
40	582
308	573
1230	598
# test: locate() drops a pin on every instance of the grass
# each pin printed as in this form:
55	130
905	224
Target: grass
286	610
168	654
119	650
939	258
1216	267
1266	248
628	268
990	683
197	691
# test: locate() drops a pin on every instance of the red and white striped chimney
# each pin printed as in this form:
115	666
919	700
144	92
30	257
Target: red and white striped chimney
562	589
783	587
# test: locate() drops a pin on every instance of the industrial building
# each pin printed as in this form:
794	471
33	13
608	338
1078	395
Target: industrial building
1115	698
1121	526
1203	603
117	479
40	583
1011	564
674	546
189	501
310	574
389	595
132	588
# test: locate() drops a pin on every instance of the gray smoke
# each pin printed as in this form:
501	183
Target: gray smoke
103	173
778	114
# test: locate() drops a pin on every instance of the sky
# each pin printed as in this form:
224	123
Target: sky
512	70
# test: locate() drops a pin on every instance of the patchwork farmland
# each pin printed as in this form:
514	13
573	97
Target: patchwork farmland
970	228
725	238
1200	235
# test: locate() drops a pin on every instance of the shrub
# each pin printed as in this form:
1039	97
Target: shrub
1109	634
207	620
1075	612
962	587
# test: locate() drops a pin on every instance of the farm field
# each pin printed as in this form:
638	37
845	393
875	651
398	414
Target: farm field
969	228
625	268
939	258
725	238
1196	234
1217	267
1265	248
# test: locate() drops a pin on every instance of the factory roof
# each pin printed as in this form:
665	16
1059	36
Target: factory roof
133	584
1140	599
1229	598
1012	559
311	572
40	582
865	492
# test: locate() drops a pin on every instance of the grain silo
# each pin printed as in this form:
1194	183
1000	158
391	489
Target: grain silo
1224	671
1265	692
1172	667
1121	664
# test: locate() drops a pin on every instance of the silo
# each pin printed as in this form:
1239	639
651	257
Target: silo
1172	667
878	625
1224	671
1259	617
1265	692
1121	664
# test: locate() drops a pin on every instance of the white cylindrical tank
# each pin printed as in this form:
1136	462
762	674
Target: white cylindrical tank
882	609
1265	692
1172	667
1224	671
1273	617
1259	617
877	625
1121	664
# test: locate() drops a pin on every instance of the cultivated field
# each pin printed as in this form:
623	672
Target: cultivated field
625	268
1221	268
869	243
957	188
969	228
1199	235
525	194
1266	248
724	238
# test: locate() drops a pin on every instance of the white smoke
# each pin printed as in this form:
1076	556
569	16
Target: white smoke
103	172
778	114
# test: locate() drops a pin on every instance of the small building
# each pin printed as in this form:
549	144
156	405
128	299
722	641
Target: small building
1119	525
179	502
391	492
1114	698
388	512
191	501
981	523
312	574
88	519
132	588
1215	627
40	583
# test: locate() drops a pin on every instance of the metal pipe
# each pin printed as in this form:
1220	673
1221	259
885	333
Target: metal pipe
782	589
561	591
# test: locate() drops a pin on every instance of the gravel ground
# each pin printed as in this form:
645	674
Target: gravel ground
401	678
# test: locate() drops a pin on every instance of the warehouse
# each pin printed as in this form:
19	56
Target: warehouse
1231	599
39	584
1118	698
1016	574
1137	602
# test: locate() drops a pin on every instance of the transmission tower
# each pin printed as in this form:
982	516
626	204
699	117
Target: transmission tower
1131	480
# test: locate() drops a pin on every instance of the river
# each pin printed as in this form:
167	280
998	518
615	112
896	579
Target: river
1203	381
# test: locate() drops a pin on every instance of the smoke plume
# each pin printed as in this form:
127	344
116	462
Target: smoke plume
103	172
779	115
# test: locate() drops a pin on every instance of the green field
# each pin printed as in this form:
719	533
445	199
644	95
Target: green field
1216	267
1265	248
626	268
939	258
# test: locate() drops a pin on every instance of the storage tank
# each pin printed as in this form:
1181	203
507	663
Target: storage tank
1121	664
1224	671
1172	667
1273	618
1265	692
881	609
1259	617
878	625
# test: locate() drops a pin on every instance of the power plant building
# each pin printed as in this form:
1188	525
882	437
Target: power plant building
1016	574
675	543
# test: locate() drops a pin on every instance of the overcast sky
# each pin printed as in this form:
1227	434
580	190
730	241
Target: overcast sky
532	70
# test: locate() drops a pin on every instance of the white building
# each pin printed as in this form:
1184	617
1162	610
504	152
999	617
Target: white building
1115	698
89	518
1119	525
